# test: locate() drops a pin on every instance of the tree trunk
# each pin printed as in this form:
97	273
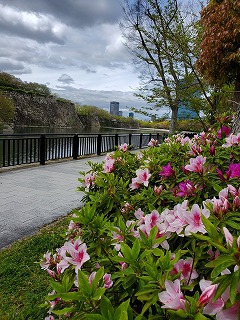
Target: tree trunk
173	123
236	107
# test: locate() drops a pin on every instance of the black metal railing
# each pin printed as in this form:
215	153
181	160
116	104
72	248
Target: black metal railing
18	149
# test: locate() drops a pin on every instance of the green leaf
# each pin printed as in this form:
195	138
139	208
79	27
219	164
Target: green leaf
220	260
222	267
136	249
234	285
69	296
83	284
121	312
57	286
106	308
98	276
222	286
211	229
200	316
95	317
98	293
233	224
63	311
127	252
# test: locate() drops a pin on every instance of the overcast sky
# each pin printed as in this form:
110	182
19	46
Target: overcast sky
72	46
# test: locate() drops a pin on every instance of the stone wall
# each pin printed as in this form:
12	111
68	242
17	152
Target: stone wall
33	109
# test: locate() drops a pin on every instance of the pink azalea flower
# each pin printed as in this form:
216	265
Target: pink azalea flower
167	171
123	147
78	255
153	143
109	164
236	202
173	297
135	184
223	132
207	296
228	236
91	277
152	219
143	176
107	281
196	164
233	170
158	190
89	180
46	261
232	140
194	220
139	214
187	272
122	264
195	150
231	313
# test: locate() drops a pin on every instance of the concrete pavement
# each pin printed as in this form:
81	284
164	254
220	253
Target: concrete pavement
34	196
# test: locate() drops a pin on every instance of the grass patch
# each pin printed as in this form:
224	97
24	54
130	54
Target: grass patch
23	285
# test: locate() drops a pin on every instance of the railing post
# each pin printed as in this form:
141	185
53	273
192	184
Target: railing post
116	140
164	136
140	140
42	149
130	139
150	137
99	144
75	147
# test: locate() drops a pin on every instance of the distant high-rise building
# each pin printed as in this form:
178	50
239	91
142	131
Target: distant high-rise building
114	108
131	115
120	113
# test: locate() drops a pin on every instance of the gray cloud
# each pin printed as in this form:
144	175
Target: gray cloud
65	78
11	66
78	13
29	25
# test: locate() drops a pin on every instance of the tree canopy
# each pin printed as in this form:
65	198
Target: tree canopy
165	42
219	60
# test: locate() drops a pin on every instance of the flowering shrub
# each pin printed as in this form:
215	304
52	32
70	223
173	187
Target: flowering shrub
157	237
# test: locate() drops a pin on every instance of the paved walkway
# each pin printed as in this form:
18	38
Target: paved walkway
32	197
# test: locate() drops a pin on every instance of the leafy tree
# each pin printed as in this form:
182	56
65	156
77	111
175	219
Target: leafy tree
7	109
165	44
219	61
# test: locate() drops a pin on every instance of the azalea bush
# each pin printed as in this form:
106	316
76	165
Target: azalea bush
157	236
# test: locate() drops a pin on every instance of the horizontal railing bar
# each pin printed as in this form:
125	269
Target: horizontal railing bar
22	149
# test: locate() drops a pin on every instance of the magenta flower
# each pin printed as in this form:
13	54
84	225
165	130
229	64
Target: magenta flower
233	170
185	188
223	132
167	171
196	164
194	220
173	297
